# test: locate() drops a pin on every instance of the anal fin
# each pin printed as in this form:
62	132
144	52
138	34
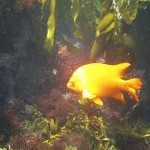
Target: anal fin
92	97
119	96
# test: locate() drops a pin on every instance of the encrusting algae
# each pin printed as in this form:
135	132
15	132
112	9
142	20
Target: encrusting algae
95	81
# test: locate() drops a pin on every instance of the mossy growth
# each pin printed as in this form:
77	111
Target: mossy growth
136	131
70	148
35	121
55	131
104	135
34	124
92	128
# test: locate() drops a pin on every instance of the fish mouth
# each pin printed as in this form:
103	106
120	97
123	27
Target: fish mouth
69	84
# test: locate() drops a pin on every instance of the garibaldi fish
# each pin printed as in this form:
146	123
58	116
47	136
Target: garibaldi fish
95	81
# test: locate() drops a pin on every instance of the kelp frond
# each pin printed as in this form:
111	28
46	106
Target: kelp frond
49	41
113	16
70	148
75	9
92	128
135	129
53	137
105	25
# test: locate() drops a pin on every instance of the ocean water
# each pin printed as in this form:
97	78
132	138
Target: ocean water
42	43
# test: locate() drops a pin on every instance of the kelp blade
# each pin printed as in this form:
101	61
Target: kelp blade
49	42
75	9
105	21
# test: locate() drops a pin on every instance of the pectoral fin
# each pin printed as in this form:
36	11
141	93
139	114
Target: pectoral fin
86	94
92	97
98	101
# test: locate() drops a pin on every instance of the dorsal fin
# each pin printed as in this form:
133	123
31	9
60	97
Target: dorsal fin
120	69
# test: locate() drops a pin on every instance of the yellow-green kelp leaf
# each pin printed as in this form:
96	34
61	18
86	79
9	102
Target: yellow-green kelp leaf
106	7
71	148
75	9
136	129
106	24
43	4
97	48
110	27
49	41
54	137
53	126
105	21
98	5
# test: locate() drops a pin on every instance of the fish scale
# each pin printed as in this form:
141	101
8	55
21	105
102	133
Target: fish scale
95	81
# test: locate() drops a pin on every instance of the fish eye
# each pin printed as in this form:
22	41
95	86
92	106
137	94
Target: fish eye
72	83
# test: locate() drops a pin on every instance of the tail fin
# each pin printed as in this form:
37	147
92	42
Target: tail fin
132	86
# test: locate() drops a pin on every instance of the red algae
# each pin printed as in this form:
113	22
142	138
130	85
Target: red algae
24	143
52	108
74	140
22	4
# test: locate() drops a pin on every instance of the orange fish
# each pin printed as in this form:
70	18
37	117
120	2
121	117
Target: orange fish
95	81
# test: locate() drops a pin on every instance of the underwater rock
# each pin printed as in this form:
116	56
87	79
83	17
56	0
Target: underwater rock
66	62
7	82
9	124
22	4
57	108
24	143
63	52
101	60
73	139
